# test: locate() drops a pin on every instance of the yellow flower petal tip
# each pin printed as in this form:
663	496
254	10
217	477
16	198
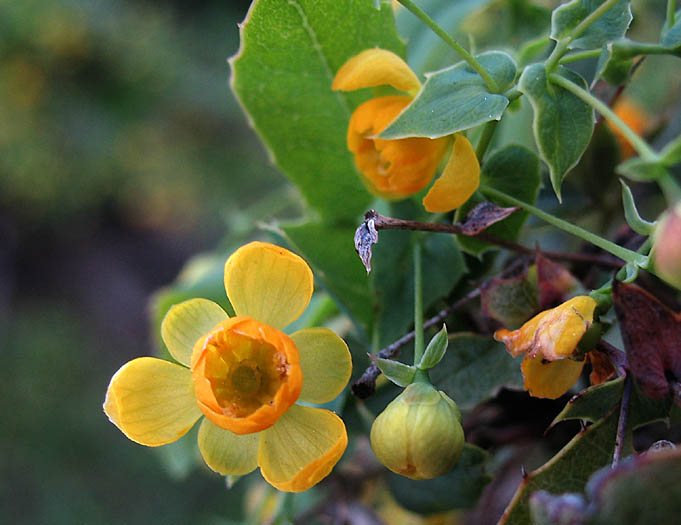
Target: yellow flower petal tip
459	180
550	379
376	67
152	401
268	283
302	448
392	169
246	375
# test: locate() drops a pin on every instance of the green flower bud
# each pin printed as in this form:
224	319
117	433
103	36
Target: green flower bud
667	246
419	433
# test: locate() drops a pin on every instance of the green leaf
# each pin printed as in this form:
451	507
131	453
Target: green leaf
613	66
611	25
671	153
435	350
290	51
514	170
567	471
455	99
640	170
634	220
562	122
671	36
474	368
597	401
644	489
399	373
329	250
460	488
393	275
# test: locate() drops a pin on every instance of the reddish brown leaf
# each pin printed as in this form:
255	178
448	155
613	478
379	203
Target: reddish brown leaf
652	338
555	282
483	216
601	367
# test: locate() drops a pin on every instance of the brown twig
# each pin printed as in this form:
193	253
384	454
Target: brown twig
381	222
623	421
616	356
365	386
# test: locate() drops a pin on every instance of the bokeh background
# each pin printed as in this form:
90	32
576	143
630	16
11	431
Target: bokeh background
122	153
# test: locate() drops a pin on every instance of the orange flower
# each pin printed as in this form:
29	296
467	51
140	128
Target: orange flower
245	375
549	339
637	119
396	169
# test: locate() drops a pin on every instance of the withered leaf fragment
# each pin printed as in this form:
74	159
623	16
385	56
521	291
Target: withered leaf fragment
652	338
483	216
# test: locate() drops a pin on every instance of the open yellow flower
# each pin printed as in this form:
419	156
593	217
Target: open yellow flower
396	169
244	374
549	339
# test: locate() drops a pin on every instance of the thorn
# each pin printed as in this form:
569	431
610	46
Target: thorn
523	472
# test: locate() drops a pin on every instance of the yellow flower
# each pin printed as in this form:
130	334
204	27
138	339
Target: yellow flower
395	169
549	339
244	375
635	117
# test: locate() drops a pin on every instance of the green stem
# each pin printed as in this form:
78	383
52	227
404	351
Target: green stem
562	45
580	55
670	187
485	138
470	59
419	344
640	145
671	12
630	48
597	240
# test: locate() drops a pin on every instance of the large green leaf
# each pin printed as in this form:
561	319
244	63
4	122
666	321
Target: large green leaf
330	252
460	488
562	122
567	471
474	368
611	25
455	99
290	51
514	170
597	401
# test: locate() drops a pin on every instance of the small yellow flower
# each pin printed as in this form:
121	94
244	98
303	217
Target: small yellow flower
244	374
396	169
635	117
549	339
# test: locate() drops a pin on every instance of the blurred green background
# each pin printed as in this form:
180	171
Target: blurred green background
123	153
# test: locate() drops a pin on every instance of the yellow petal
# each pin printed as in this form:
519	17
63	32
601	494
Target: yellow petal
301	448
550	379
226	452
326	364
268	283
152	401
459	179
376	67
559	332
185	323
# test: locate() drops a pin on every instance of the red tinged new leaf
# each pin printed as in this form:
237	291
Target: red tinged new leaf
652	338
555	282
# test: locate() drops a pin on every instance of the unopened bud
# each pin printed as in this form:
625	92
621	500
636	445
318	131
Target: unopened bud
667	246
419	433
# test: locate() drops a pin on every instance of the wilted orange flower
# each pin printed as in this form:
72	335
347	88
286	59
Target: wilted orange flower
245	375
548	340
395	169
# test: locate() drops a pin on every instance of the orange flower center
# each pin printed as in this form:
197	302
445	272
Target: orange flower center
246	374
